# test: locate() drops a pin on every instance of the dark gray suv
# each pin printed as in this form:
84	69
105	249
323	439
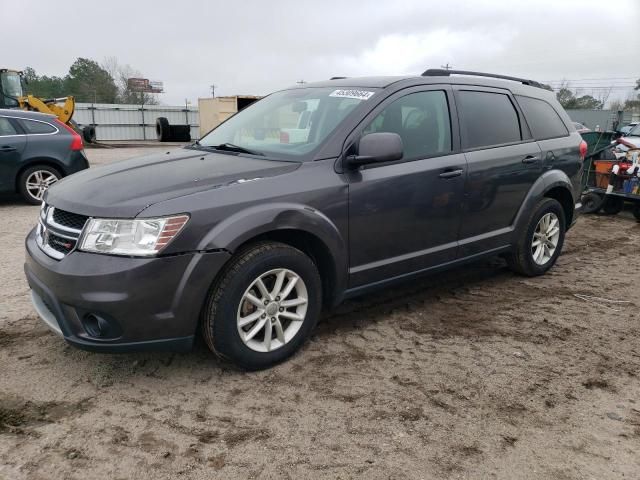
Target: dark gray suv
249	232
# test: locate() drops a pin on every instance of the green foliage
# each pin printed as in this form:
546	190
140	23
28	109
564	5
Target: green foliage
88	82
586	102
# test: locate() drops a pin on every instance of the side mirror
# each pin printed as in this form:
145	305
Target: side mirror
377	148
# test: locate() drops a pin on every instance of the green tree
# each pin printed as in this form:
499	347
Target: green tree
43	87
570	101
89	82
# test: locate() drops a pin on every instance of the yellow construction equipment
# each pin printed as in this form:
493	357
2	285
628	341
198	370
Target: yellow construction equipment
12	96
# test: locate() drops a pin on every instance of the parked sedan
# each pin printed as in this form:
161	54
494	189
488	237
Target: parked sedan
36	150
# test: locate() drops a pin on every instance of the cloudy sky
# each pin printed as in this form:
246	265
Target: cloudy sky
254	47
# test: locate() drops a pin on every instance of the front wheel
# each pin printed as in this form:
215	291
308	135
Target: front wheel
263	306
539	245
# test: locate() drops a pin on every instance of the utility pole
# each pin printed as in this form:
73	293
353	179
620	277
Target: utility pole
213	90
447	66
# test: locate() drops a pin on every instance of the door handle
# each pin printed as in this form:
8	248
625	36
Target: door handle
7	148
451	173
530	159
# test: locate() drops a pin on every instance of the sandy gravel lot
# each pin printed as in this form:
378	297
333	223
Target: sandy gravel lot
476	373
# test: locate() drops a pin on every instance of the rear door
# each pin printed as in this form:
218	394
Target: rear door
12	145
503	163
560	148
404	216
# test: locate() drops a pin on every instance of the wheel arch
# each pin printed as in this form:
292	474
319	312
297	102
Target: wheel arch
299	226
552	184
35	162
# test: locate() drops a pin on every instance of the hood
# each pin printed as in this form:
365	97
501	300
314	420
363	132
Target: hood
123	189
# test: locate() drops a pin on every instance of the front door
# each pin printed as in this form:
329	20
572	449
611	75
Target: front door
404	216
12	143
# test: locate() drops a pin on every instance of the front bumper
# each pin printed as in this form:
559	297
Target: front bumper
146	303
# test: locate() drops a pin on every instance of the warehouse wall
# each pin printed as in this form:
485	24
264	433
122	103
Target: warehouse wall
133	122
603	118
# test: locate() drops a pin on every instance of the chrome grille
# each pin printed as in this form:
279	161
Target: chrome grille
68	219
58	231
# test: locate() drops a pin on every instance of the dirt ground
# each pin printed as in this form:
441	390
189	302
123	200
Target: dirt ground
476	373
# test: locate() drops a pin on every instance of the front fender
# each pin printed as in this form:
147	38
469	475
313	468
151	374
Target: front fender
257	220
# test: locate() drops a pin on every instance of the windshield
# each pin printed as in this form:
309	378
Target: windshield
11	87
288	124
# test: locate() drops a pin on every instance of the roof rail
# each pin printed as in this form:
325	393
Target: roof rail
439	72
337	78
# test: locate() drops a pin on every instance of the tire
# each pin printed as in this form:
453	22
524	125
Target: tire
592	202
612	205
38	174
163	130
180	133
636	211
89	134
227	306
522	260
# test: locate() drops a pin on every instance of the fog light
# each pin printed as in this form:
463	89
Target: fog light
96	326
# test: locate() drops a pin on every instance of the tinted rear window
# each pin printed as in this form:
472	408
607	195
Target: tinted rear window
487	119
542	118
33	127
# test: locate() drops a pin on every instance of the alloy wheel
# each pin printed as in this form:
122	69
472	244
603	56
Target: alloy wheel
272	310
545	238
38	182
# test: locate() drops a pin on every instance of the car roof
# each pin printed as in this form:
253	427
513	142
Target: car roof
9	112
406	81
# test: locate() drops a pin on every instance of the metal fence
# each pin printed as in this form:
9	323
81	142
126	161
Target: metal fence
604	119
133	122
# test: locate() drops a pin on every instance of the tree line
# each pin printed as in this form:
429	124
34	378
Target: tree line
89	82
571	99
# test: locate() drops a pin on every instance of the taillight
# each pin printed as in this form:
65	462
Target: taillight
284	137
76	143
583	149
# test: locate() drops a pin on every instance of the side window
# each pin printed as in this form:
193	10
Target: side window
487	119
542	118
37	127
422	121
6	128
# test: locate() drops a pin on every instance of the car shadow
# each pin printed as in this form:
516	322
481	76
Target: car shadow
355	314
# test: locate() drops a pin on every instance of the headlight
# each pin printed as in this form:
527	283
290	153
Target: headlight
139	237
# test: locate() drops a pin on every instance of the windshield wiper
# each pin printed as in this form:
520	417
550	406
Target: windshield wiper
230	147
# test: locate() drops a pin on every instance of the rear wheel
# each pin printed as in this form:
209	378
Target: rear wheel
34	181
612	205
539	244
263	307
592	202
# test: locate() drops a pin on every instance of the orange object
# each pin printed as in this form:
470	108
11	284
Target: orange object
604	166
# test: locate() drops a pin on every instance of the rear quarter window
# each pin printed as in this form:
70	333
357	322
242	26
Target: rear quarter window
6	128
487	119
542	118
35	127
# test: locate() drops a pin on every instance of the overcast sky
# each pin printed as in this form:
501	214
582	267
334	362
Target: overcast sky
254	47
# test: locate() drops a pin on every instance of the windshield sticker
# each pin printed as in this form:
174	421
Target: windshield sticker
357	94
